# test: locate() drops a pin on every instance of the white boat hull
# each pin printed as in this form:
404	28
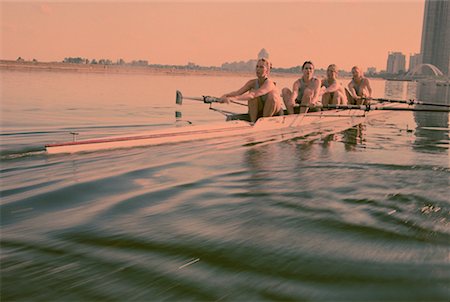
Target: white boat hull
309	122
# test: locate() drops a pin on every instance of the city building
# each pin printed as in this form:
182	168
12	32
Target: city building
435	46
245	65
415	59
395	63
371	70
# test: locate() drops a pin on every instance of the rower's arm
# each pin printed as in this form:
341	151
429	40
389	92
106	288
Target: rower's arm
333	87
240	91
267	87
316	90
351	89
369	88
294	94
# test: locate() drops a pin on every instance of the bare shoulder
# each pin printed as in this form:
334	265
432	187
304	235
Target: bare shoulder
270	81
251	83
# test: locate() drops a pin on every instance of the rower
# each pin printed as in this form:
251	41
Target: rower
333	93
261	93
358	88
305	91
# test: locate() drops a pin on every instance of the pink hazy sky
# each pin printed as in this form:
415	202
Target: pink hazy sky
209	33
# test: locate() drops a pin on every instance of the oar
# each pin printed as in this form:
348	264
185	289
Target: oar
409	102
372	107
205	99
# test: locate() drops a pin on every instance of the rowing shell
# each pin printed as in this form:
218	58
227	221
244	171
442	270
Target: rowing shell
235	125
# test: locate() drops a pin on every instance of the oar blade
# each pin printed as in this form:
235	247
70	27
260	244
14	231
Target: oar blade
179	99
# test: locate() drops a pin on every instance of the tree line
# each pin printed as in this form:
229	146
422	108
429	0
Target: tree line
80	60
230	66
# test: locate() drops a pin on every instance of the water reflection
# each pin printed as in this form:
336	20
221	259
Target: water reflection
434	91
400	90
261	164
432	132
268	164
353	136
431	128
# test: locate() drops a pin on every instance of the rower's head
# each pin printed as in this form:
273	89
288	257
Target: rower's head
356	72
332	71
308	68
263	67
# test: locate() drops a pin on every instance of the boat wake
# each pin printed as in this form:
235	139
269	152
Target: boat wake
20	153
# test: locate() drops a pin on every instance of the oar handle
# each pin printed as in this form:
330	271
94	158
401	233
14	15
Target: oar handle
205	99
210	99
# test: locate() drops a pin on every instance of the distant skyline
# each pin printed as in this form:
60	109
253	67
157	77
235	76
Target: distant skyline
210	33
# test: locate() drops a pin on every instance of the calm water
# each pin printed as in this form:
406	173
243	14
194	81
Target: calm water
358	215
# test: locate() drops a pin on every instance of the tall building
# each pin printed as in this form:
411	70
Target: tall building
415	59
395	63
435	47
371	70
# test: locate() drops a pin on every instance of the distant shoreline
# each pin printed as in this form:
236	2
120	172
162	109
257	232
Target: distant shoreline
122	69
